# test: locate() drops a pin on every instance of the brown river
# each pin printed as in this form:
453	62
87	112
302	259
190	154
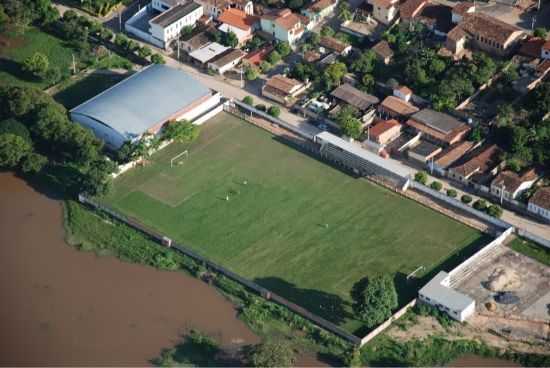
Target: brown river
60	306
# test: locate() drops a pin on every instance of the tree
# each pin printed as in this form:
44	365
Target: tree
274	57
421	177
480	205
334	73
540	32
476	135
261	107
265	66
274	111
248	100
367	83
344	11
364	63
186	31
3	19
452	193
230	39
181	131
350	125
251	73
466	198
37	65
273	353
374	299
283	48
13	149
33	163
495	211
327	31
436	185
96	179
157	59
295	4
15	127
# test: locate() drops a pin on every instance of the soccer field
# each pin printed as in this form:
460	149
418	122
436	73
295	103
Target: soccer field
291	223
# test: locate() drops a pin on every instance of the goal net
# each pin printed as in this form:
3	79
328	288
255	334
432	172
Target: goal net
179	159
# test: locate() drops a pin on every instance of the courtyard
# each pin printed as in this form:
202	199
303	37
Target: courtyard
305	230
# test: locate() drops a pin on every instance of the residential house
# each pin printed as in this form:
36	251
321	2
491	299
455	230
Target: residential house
509	185
350	95
461	9
335	45
438	127
539	203
456	42
256	57
241	24
195	42
383	51
396	108
226	60
410	9
284	25
369	29
319	10
403	92
481	166
532	47
545	51
436	17
283	89
206	53
424	152
490	34
384	131
311	56
215	8
167	26
451	155
384	11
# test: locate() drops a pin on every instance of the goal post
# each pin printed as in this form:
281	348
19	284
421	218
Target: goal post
179	158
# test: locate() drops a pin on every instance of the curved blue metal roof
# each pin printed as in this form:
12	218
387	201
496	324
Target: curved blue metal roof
143	100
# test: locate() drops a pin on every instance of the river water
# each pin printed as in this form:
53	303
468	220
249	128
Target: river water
59	306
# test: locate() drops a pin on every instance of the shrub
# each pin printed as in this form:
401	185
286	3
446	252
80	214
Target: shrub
274	111
261	107
466	198
157	59
480	205
452	193
421	177
435	185
251	73
265	66
495	211
274	57
248	100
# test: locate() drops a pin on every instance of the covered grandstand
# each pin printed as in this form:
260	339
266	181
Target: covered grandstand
143	103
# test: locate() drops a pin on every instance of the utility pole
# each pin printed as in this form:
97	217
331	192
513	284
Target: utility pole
74	65
533	21
242	81
502	194
120	21
178	43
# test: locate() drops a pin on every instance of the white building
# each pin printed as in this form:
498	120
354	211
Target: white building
509	185
439	294
226	60
208	52
215	8
143	103
167	26
539	203
384	11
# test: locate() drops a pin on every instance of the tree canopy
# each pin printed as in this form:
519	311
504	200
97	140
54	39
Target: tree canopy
181	131
272	353
374	298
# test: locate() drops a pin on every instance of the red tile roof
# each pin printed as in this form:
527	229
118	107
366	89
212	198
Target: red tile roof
531	46
282	84
238	18
462	8
546	45
383	49
541	198
383	127
398	106
453	154
286	19
485	160
512	181
411	8
321	5
488	27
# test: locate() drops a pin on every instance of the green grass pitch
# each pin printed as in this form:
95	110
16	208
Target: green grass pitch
297	226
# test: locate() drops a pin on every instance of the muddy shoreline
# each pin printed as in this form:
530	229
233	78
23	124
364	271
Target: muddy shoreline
65	307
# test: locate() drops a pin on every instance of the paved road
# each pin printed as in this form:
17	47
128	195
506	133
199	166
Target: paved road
232	89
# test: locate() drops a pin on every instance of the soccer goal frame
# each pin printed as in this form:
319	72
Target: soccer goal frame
184	153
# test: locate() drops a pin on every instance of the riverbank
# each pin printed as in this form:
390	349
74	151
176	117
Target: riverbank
61	307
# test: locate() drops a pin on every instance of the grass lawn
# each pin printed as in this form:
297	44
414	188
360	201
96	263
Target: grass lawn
298	226
531	249
80	90
14	49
